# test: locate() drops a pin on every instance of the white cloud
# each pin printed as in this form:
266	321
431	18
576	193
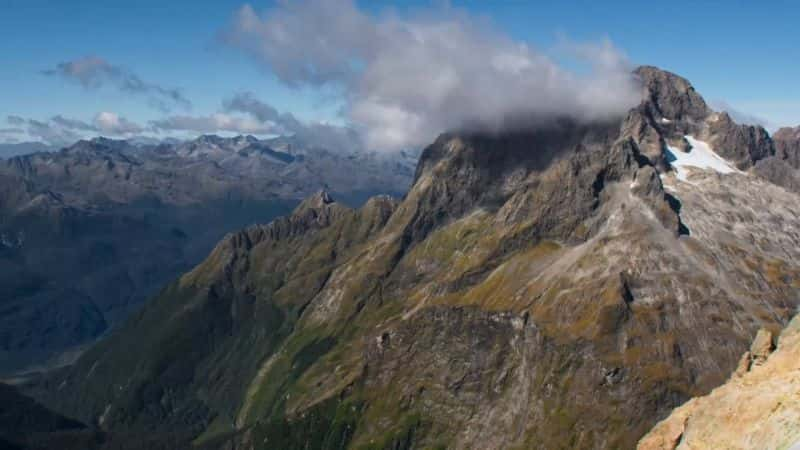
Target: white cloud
111	123
245	113
403	81
332	137
215	123
60	130
92	72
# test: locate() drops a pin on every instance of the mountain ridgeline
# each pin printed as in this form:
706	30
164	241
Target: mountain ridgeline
554	287
88	232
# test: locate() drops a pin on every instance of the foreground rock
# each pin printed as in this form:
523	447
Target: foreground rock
758	408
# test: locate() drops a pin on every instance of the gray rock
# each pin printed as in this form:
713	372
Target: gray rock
671	96
787	145
743	145
762	346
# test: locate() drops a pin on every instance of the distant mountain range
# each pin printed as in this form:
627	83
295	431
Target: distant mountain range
23	148
91	230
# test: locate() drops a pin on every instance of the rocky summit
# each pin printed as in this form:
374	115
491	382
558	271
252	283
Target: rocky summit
565	285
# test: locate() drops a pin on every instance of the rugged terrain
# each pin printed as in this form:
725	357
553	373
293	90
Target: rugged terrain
758	407
562	286
90	231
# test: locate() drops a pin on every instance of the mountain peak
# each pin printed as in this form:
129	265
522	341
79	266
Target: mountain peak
98	144
105	141
209	139
317	200
672	96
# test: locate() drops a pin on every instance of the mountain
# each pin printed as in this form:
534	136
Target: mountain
783	168
107	171
23	148
787	144
89	232
757	408
22	414
560	286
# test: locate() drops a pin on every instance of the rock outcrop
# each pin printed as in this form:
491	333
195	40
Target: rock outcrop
671	96
759	407
783	168
743	145
787	143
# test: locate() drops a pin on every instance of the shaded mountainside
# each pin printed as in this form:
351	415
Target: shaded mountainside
19	413
27	425
89	232
9	150
558	287
757	408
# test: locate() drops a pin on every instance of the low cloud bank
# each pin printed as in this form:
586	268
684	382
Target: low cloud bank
404	80
61	131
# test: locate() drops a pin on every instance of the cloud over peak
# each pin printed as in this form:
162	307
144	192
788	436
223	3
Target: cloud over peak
245	113
92	72
334	137
405	80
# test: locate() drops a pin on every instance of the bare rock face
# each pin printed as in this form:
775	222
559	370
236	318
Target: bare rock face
779	172
757	408
783	168
642	127
743	145
564	165
671	96
762	347
787	144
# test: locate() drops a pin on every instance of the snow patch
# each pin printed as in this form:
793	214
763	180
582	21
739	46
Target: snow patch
665	120
700	156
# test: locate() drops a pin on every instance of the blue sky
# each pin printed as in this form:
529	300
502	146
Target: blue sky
739	52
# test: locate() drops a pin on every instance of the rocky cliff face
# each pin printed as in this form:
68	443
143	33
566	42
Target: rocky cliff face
757	408
561	287
783	168
787	144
